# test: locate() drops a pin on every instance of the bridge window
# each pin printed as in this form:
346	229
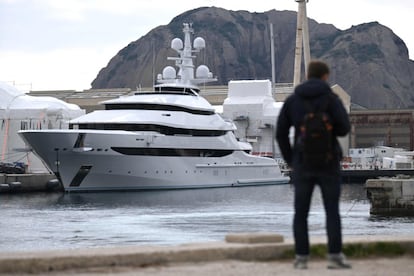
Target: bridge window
171	131
161	107
172	152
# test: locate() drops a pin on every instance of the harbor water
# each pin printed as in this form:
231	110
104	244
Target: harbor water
47	221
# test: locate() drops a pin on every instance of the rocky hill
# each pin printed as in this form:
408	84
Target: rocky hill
368	60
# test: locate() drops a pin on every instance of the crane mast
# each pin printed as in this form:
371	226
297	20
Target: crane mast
302	42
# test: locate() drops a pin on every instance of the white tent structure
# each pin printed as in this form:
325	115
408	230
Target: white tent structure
19	111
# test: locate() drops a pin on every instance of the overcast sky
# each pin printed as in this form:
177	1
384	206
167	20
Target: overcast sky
62	44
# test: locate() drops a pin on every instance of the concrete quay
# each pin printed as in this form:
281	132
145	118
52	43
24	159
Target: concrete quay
244	256
391	196
382	266
37	182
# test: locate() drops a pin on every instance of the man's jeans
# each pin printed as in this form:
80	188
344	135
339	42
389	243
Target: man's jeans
331	189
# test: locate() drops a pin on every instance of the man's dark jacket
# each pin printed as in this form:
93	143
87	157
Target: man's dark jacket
318	93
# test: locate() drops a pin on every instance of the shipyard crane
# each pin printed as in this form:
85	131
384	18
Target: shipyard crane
302	41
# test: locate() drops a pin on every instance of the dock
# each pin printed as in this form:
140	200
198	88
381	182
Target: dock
391	196
361	176
241	254
33	182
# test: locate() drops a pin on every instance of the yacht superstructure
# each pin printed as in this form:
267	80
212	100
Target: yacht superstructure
169	138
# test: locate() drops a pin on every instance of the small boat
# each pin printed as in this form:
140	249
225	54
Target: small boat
169	138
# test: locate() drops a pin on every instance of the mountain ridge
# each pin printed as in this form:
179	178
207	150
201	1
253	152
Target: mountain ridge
368	60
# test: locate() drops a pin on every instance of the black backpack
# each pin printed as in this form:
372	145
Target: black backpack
316	136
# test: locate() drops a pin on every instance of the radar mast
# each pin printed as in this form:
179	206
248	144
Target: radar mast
185	77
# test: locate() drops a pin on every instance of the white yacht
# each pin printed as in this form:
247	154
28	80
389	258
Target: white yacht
170	138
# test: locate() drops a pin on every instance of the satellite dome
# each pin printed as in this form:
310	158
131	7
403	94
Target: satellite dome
177	44
169	73
202	72
199	43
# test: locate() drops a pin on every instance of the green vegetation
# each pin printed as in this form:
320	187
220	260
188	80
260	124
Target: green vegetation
348	38
323	44
176	29
127	53
132	57
377	249
243	22
339	53
381	249
365	52
261	27
242	60
176	25
112	73
127	50
229	30
366	26
402	48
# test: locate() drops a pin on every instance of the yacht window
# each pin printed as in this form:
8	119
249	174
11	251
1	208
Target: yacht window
24	125
80	141
175	90
160	107
172	152
156	128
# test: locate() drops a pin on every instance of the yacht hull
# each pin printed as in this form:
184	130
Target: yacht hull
96	166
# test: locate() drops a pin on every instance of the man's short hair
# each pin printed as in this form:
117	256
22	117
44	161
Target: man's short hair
317	69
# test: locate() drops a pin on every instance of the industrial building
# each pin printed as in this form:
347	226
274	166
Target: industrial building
393	128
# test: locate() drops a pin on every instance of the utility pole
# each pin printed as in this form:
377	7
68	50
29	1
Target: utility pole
302	41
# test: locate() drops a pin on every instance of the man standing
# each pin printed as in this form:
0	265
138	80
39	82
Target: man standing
313	100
